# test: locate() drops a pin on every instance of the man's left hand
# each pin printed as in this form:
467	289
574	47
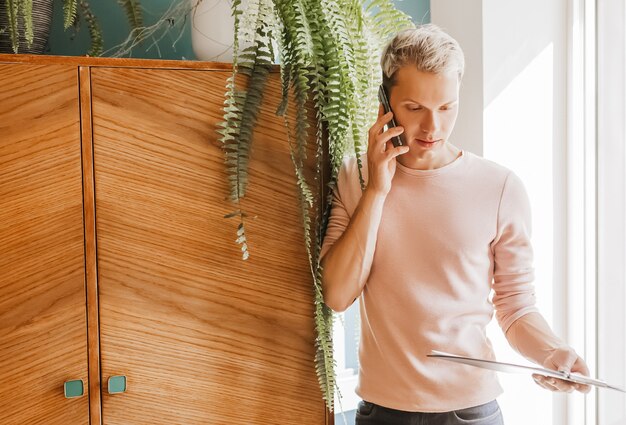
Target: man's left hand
566	360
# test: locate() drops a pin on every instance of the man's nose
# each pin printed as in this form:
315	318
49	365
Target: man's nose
430	123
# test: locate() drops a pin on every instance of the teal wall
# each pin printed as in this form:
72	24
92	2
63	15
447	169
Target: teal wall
115	29
419	10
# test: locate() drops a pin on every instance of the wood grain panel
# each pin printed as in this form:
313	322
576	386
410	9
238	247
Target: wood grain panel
42	296
202	336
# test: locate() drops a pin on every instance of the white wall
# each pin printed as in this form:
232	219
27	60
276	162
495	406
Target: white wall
462	19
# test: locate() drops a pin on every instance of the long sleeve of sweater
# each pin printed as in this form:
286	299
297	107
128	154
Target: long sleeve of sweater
347	254
531	336
513	273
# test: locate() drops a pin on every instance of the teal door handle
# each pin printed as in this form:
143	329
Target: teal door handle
117	384
74	389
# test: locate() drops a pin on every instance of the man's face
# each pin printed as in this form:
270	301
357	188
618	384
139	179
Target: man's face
426	105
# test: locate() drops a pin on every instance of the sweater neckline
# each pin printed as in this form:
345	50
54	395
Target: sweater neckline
436	171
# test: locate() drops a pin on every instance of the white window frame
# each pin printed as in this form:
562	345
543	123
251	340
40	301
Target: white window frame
611	207
581	317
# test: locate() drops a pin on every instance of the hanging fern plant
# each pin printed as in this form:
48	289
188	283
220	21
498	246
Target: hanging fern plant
329	52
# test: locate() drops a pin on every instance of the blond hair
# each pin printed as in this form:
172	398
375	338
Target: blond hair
427	47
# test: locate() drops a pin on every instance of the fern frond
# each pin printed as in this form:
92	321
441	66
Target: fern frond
70	8
26	10
132	8
95	33
235	13
241	239
324	359
325	362
12	15
285	79
386	20
242	106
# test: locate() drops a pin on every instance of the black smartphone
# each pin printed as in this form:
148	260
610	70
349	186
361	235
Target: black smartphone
384	99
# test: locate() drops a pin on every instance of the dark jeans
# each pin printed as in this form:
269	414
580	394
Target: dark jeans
372	414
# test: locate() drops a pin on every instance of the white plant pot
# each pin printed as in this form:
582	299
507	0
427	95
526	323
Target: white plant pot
212	30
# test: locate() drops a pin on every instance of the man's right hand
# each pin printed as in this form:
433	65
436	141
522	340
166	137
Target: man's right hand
381	154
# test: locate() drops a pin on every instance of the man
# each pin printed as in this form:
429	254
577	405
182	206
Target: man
436	229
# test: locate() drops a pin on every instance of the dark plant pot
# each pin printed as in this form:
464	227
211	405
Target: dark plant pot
42	17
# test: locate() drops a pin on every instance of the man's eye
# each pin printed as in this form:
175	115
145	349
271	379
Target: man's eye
416	108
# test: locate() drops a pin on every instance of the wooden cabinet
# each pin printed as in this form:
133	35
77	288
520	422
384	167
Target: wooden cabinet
150	280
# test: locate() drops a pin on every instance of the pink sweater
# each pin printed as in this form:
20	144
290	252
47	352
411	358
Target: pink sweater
447	237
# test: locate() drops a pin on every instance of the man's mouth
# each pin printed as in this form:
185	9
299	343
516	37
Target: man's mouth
427	142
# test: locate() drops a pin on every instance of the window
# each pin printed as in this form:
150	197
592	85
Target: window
346	342
570	74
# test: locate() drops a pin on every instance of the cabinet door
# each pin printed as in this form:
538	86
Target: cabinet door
43	340
201	336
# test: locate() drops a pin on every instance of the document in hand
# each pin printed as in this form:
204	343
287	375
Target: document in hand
516	368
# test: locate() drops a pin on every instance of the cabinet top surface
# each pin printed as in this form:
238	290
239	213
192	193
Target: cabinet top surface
115	62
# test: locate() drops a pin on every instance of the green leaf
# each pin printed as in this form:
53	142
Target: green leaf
232	214
132	8
70	8
26	8
95	33
12	15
